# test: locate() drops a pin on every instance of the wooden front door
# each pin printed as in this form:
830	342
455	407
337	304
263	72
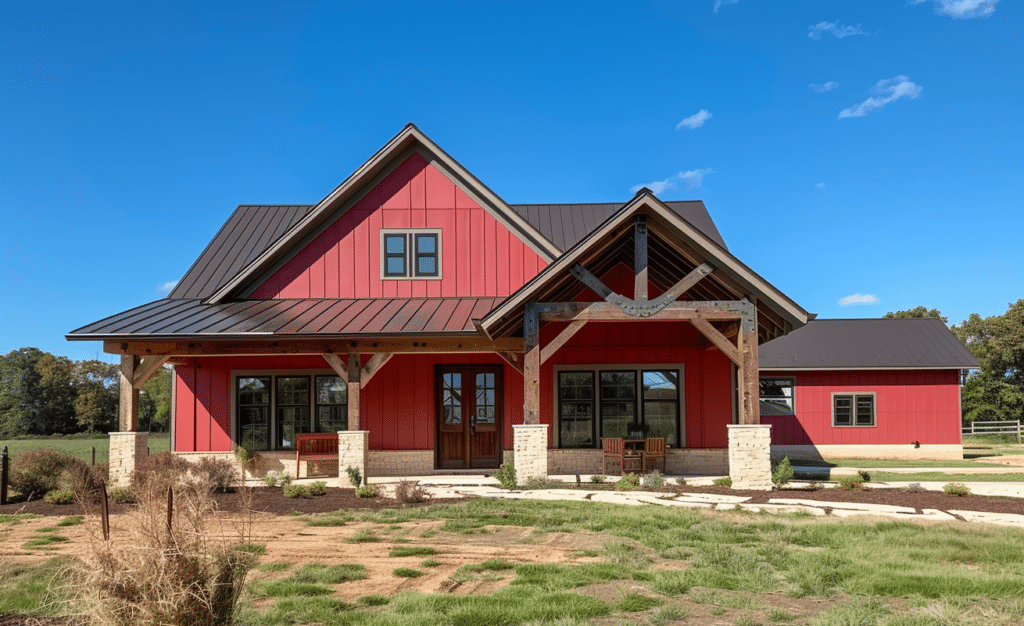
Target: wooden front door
469	417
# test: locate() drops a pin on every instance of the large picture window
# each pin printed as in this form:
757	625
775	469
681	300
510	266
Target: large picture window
410	253
778	396
270	410
618	402
853	409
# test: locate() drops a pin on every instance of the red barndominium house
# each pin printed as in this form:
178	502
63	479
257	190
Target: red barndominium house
432	327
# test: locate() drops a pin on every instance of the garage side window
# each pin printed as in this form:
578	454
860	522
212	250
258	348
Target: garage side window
778	396
853	409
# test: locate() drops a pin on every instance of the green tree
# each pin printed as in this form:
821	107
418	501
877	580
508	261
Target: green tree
918	312
158	393
56	396
987	399
19	391
997	392
97	386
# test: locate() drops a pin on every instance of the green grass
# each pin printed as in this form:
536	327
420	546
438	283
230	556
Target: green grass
374	600
73	520
329	574
17	518
82	448
635	602
407	572
413	551
33	589
431	563
44	541
287	588
366	535
273	567
920	477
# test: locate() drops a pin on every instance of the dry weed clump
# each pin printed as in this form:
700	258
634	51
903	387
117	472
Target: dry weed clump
151	571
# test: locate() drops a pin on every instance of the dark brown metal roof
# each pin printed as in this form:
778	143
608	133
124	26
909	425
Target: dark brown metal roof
179	318
566	224
901	343
250	230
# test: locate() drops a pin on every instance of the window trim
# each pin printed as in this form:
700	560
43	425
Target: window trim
792	381
853	416
411	257
273	374
597	368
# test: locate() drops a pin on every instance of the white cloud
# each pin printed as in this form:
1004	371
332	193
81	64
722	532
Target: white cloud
858	299
963	9
824	87
692	178
816	31
820	185
723	3
167	287
886	91
696	120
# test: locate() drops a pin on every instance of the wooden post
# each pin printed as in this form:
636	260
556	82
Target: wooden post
170	510
4	467
128	408
104	512
531	364
640	258
355	367
749	381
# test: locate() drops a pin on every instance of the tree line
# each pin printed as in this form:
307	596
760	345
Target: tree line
996	392
44	394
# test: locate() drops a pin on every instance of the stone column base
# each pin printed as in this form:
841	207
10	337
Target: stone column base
126	451
750	456
353	451
530	450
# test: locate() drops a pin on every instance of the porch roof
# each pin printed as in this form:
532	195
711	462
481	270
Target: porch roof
181	318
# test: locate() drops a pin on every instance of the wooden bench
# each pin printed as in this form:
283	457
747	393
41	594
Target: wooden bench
315	447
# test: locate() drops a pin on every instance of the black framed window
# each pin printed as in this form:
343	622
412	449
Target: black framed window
395	257
618	403
292	409
854	409
331	404
778	396
253	403
410	254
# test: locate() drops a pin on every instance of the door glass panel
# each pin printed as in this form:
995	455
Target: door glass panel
254	412
485	407
331	404
292	409
451	397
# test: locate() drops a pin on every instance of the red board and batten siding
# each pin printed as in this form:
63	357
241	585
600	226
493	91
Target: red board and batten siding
911	405
479	256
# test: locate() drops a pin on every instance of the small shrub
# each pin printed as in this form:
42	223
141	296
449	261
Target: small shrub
99	474
597	478
222	473
34	473
274	478
853	481
407	572
914	488
506	475
628	482
122	495
367	491
318	488
354	476
160	471
541	482
654	479
783	472
410	491
957	489
681	481
865	475
60	496
297	491
723	482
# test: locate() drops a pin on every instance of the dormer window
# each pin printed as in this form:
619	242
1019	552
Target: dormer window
410	253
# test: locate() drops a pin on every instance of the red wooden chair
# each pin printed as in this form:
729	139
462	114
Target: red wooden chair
655	449
612	448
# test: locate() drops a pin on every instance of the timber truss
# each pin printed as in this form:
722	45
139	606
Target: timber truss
736	319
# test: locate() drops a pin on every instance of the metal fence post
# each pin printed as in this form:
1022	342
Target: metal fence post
5	463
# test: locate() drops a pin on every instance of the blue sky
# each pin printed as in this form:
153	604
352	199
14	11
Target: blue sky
864	150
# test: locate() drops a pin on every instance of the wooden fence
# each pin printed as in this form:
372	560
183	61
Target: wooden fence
1012	427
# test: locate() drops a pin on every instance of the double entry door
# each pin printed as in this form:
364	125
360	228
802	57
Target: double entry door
469	416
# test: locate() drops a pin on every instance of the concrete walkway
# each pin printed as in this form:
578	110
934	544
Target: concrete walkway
463	486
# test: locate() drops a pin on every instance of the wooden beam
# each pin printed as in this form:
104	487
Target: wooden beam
338	364
561	339
750	379
128	407
672	293
531	364
595	284
718	339
146	368
608	312
512	359
373	366
640	258
262	346
354	377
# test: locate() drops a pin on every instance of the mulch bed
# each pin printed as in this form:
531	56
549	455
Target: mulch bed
272	500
